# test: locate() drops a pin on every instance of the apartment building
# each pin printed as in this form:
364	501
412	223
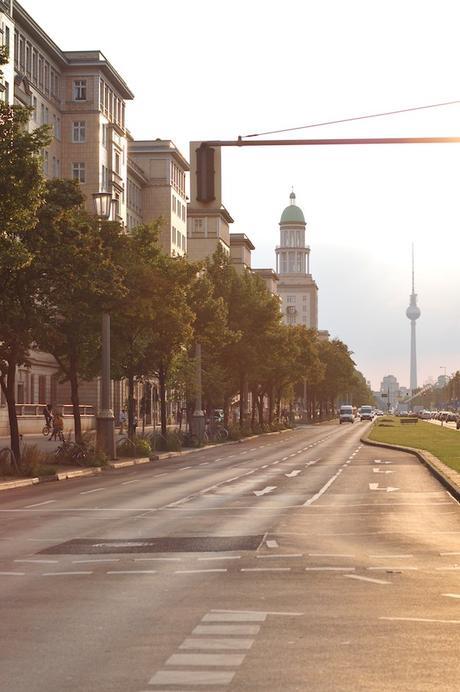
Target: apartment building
81	96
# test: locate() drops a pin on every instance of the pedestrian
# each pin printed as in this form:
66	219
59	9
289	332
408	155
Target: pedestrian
134	423
47	412
58	428
122	418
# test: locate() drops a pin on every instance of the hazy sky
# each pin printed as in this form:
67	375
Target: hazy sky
206	69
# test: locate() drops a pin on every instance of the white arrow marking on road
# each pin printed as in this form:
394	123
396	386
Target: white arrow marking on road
266	490
375	486
293	473
382	471
378	461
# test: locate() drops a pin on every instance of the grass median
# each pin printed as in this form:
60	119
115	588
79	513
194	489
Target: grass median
443	443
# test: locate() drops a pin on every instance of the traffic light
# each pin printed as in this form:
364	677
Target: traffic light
205	173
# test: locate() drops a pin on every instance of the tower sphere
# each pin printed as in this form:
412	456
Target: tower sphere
413	312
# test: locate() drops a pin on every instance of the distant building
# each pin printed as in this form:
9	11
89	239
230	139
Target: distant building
297	290
389	390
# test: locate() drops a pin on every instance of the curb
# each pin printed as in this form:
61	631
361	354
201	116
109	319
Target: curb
443	473
20	483
94	471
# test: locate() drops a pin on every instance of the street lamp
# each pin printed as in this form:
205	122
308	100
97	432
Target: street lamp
105	420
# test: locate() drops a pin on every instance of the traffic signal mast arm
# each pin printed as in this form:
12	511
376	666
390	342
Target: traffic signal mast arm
205	153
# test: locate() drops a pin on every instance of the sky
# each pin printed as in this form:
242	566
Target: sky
216	69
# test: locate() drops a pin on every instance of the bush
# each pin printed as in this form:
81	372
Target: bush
138	447
35	462
234	433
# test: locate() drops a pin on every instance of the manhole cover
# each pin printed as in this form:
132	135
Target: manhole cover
173	544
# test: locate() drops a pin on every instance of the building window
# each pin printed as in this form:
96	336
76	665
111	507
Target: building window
183	212
79	90
174	239
117	163
291	299
79	172
198	225
79	131
45	162
34	106
34	66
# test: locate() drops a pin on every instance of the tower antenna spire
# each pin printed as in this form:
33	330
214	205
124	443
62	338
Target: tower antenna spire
413	281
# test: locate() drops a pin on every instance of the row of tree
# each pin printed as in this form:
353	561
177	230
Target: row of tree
60	268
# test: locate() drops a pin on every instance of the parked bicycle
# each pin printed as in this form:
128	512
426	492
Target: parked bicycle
72	453
216	432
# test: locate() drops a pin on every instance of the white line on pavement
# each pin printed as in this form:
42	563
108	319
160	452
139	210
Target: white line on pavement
264	557
12	574
390	557
133	571
227	629
40	504
451	595
444	622
192	677
206	660
235	616
109	559
323	489
390	569
154	559
264	612
184	468
95	490
373	581
271	543
198	571
222	644
329	569
135	480
39	562
266	569
329	555
62	574
448	569
221	557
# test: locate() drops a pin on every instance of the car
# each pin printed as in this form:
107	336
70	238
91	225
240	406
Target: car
346	414
451	417
425	415
366	413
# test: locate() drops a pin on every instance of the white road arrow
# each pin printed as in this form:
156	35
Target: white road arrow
266	490
378	461
382	471
375	486
293	473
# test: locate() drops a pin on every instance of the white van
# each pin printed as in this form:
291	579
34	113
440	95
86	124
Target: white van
346	414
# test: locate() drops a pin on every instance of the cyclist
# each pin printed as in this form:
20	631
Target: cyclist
48	414
58	428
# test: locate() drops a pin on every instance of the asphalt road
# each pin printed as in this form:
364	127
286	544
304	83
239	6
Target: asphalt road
299	561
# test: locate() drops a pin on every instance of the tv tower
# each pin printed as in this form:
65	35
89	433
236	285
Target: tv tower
413	313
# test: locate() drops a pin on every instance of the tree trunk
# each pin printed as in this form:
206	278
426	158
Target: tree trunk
242	388
130	406
226	407
270	405
9	391
253	407
74	397
260	406
162	383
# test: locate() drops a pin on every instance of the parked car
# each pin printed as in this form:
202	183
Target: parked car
346	414
451	417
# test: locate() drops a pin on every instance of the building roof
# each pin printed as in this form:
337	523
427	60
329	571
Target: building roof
292	213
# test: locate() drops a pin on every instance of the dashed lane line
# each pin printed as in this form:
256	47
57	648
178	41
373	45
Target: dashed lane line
12	574
369	579
38	562
265	557
94	490
403	619
199	571
64	574
219	644
266	569
451	595
217	660
133	571
39	504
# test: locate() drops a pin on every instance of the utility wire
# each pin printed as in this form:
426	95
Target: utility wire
359	117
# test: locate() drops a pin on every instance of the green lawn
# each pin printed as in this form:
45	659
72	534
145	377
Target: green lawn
443	442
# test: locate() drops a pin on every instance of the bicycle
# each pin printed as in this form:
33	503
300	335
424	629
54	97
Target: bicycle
72	453
217	433
47	429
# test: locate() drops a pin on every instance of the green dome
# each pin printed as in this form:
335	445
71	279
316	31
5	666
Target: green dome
292	213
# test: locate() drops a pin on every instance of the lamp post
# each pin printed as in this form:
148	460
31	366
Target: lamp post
105	420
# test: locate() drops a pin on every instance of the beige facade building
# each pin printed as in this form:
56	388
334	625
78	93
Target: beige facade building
83	98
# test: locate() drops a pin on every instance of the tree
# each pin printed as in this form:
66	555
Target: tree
21	195
79	277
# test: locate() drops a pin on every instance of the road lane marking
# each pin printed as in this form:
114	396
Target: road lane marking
227	629
235	616
375	486
223	644
40	504
444	622
39	562
135	480
217	660
271	543
264	612
323	489
82	562
221	557
448	569
198	571
382	471
293	474
205	463
329	555
392	569
192	677
390	557
330	569
95	490
184	468
132	571
266	569
449	554
154	559
265	491
63	574
12	574
451	595
264	557
373	581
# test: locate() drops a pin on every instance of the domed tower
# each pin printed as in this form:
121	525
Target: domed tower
413	313
296	288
